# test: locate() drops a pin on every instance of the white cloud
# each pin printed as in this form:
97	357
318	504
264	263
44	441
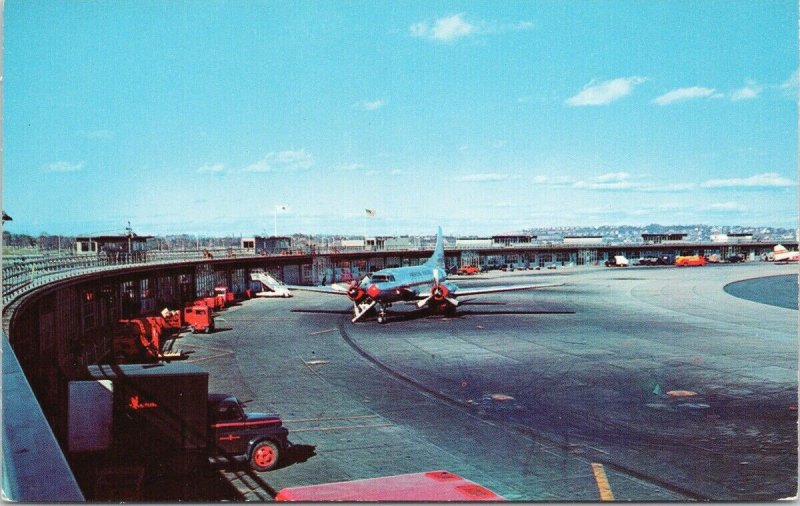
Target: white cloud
668	188
455	27
725	206
212	169
445	29
624	181
682	94
62	166
792	83
606	92
369	105
610	181
750	91
259	166
482	178
293	159
612	177
282	160
766	180
554	180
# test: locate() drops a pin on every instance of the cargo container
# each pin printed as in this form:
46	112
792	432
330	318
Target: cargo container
157	408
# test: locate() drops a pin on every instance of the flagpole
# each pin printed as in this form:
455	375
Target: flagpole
275	224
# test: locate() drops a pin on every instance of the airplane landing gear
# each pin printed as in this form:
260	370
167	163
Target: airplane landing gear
382	315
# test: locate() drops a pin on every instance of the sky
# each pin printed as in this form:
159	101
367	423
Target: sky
244	117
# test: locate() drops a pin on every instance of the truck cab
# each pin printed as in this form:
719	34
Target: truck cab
260	438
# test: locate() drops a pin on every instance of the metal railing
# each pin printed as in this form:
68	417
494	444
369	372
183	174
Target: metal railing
22	274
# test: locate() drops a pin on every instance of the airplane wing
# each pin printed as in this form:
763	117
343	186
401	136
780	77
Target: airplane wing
330	290
495	289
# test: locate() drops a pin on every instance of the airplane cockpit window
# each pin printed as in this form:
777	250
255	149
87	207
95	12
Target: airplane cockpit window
382	278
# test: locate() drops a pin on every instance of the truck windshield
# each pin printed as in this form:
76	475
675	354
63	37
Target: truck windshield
229	410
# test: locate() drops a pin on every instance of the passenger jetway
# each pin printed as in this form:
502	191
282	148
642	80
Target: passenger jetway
274	288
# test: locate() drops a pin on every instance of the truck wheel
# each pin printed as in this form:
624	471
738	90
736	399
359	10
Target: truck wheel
265	456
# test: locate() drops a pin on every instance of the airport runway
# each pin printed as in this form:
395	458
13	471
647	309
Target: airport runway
680	390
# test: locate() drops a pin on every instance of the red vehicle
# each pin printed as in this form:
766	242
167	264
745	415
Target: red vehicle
227	295
427	487
199	318
690	261
259	437
469	270
137	339
215	302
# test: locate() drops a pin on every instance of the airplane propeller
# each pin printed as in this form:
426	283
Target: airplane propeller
355	291
439	292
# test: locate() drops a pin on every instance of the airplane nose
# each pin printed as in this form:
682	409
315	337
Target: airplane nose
373	291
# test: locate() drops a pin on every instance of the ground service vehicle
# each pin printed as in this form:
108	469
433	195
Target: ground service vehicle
140	339
469	270
199	318
690	261
227	295
428	487
259	437
165	413
617	261
659	260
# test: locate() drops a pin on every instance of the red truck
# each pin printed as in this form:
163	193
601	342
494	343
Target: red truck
469	270
227	295
261	438
690	261
199	317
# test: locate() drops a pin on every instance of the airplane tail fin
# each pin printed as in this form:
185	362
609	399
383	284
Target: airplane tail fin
780	248
437	259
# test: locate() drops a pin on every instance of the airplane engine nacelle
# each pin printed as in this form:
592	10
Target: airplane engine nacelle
355	293
439	292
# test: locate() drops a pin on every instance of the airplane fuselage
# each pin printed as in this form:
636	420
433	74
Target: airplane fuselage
405	283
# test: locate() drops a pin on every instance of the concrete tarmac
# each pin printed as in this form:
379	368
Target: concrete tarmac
681	390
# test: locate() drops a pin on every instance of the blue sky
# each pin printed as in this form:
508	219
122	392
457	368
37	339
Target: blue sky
203	116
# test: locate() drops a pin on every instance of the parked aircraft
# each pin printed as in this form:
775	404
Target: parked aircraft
781	254
423	285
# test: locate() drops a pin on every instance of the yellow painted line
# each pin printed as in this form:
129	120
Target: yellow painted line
602	483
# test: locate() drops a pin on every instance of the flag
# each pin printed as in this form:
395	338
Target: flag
370	212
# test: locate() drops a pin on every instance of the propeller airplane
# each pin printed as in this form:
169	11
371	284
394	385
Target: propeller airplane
423	285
